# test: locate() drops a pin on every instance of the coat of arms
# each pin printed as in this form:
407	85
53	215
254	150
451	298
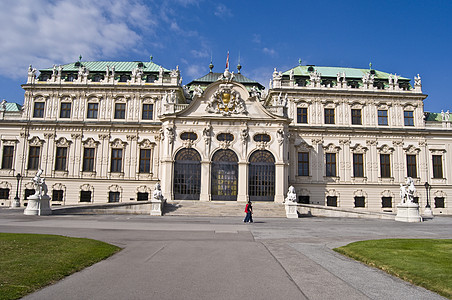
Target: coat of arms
226	101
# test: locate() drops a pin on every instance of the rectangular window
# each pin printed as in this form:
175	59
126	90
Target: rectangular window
92	110
116	160
329	115
303	163
437	166
383	117
330	164
8	154
88	159
142	196
65	111
148	112
411	166
302	115
120	111
38	110
386	202
360	202
303	199
439	202
145	161
408	117
57	195
4	193
113	197
385	166
85	196
356	117
358	165
60	159
33	157
331	201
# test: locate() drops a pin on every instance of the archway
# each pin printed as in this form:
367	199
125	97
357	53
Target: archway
261	176
224	174
187	175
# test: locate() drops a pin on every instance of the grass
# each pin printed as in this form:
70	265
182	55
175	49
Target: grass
423	262
31	261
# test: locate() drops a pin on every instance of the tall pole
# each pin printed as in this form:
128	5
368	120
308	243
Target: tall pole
428	214
16	202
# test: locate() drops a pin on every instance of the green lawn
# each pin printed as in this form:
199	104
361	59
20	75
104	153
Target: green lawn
423	262
31	261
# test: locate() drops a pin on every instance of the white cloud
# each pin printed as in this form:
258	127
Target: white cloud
268	51
194	71
44	33
257	38
200	53
222	11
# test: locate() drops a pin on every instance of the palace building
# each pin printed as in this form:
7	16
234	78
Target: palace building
109	131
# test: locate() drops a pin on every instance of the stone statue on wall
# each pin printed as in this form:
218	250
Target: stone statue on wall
417	80
157	194
291	195
407	191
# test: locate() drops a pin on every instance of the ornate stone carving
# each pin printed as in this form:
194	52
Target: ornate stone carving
226	101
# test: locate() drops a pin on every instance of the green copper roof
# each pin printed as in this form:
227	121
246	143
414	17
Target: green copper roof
12	107
120	66
212	77
332	72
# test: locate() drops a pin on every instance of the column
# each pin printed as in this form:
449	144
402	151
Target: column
205	181
242	193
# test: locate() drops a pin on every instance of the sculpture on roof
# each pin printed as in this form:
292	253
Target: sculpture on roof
3	105
390	79
227	76
226	101
197	91
417	80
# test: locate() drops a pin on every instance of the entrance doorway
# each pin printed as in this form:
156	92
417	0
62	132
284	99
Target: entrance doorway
224	175
261	176
187	175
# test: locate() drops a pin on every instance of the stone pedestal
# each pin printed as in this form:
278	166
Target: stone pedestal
408	212
291	210
38	206
15	203
157	207
428	214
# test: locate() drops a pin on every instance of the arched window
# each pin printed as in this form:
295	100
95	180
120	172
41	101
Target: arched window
224	175
261	176
187	175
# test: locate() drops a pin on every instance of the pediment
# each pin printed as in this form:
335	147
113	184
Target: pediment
226	99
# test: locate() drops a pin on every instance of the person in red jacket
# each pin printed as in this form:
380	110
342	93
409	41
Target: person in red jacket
249	213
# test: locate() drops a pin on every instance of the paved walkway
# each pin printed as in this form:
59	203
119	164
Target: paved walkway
222	258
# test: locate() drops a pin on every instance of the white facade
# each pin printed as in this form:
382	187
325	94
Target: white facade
338	144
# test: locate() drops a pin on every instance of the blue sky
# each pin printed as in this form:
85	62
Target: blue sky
403	37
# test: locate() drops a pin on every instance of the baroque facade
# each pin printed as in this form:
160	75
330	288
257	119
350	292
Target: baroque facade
109	131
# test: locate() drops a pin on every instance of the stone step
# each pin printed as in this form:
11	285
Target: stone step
222	208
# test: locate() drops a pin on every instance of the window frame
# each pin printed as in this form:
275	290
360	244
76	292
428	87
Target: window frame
358	166
61	158
302	115
88	159
329	116
303	163
408	120
147	114
65	110
437	162
38	112
34	158
145	161
330	165
385	166
120	111
92	113
382	117
116	160
411	165
357	116
8	157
